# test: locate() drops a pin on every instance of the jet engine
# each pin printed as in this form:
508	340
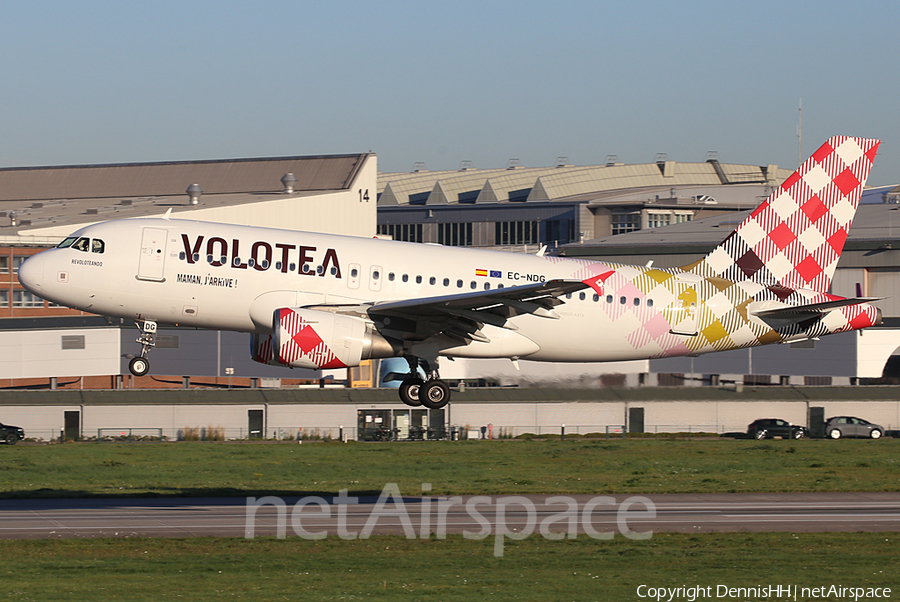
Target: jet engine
308	338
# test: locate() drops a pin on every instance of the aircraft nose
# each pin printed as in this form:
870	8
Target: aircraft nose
31	273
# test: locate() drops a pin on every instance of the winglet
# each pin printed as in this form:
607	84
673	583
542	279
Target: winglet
168	213
795	237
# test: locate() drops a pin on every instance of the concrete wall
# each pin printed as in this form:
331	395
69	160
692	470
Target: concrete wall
513	411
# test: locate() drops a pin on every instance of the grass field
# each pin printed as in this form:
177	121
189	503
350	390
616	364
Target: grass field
393	568
453	468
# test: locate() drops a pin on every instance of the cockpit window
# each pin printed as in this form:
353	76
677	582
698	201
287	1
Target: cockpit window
66	243
82	244
97	245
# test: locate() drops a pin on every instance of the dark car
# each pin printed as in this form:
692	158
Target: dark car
767	428
850	426
11	434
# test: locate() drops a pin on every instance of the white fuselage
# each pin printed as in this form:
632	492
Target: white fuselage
230	277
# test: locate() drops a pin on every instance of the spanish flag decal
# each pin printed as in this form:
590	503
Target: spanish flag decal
481	273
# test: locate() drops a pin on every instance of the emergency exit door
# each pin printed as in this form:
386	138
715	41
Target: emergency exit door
153	255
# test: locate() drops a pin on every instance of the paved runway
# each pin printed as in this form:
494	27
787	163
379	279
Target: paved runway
599	516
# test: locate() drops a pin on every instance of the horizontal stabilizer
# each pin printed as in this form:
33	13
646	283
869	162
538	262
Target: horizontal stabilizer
806	311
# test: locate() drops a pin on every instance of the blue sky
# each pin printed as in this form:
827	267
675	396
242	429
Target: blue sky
104	82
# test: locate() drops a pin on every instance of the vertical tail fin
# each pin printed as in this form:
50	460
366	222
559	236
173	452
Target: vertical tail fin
795	237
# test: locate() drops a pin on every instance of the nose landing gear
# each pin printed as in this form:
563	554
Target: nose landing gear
140	365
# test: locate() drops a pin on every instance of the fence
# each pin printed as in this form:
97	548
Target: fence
343	433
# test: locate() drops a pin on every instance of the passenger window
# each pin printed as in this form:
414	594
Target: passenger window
596	298
97	246
609	298
390	276
432	280
581	296
353	273
405	278
65	244
637	301
196	257
418	280
277	263
623	300
81	244
487	286
459	284
321	270
499	286
446	282
473	285
251	262
568	295
649	302
376	275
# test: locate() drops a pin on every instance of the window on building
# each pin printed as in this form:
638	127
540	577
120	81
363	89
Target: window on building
23	298
4	265
516	233
18	260
559	230
455	234
680	218
625	222
406	232
4	298
658	220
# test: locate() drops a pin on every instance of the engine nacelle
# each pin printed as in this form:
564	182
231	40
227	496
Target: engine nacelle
307	338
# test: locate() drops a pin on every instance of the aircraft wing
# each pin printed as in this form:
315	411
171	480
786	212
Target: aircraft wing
462	315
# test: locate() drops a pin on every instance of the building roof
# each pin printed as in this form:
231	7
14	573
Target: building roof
47	196
873	226
517	183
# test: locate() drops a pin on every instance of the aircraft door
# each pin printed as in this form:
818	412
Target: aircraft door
153	255
684	312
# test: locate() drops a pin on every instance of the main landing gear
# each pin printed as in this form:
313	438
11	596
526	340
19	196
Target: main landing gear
140	365
432	393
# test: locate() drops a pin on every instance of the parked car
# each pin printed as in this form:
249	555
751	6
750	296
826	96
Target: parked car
767	428
11	434
850	426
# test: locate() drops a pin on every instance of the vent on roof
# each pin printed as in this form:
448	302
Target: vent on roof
562	161
194	191
513	164
611	160
288	180
13	221
466	165
419	166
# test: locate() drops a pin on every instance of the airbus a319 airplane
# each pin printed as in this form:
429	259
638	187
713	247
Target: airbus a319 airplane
323	301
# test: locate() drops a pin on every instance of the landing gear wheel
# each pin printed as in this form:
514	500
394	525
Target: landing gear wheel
139	366
434	394
409	391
